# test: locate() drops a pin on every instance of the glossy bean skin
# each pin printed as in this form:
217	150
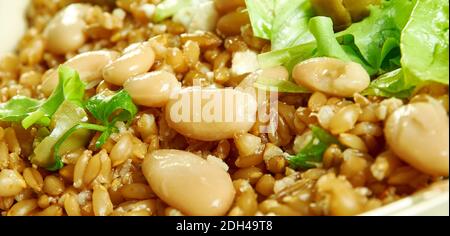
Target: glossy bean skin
211	114
152	89
65	32
189	183
419	134
331	76
136	59
89	66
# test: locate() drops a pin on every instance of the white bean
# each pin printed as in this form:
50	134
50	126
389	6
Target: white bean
152	89
65	32
189	183
136	59
419	134
211	114
331	76
89	66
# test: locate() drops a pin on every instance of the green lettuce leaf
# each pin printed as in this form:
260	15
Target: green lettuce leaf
168	8
70	88
379	34
287	57
262	15
424	43
373	42
424	48
327	45
283	22
391	84
290	26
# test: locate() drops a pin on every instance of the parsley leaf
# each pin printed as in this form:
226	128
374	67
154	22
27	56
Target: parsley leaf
109	109
311	155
